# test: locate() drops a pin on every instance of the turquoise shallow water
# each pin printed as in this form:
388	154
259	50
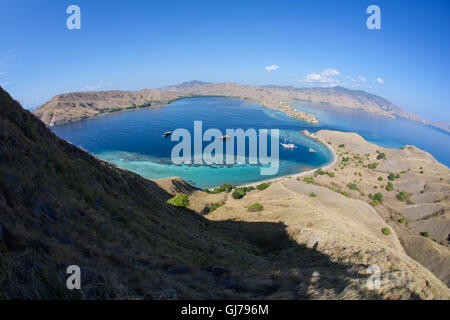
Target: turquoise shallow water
133	140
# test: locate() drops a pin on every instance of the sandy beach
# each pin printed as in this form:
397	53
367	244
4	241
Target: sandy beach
302	173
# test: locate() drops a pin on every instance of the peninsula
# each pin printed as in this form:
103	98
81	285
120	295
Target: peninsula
75	106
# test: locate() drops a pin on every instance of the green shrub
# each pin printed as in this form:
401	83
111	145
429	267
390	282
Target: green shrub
342	145
372	165
381	155
312	195
391	176
180	200
344	193
409	202
308	179
239	193
263	186
389	186
425	234
330	174
227	187
216	205
319	171
386	231
377	198
380	178
402	220
255	207
352	186
224	187
345	159
402	196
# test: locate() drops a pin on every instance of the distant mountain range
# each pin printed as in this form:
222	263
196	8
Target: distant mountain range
79	105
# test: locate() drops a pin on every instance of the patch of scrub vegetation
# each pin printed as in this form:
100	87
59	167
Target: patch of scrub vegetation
180	200
342	145
380	178
226	187
321	172
373	165
386	231
393	176
402	196
216	206
389	186
263	185
425	234
344	193
402	220
345	159
239	193
308	179
376	198
255	207
381	155
352	186
312	195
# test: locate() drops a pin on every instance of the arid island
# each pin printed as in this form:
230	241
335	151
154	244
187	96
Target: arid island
375	212
75	106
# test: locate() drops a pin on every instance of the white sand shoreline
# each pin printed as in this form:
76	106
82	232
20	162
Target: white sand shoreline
303	173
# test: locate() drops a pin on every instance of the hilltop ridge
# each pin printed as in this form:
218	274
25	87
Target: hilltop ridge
76	106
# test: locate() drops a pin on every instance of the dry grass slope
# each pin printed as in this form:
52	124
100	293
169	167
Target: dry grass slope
61	206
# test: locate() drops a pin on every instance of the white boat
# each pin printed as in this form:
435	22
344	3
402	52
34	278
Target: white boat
289	145
312	150
167	133
224	137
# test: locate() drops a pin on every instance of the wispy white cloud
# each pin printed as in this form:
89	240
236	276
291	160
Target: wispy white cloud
362	79
380	81
327	77
272	67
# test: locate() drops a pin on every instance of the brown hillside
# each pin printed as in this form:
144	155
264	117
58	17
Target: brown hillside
61	206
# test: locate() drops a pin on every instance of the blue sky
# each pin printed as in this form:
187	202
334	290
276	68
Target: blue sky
147	44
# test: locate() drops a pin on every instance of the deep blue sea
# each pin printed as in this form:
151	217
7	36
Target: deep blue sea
133	139
383	131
